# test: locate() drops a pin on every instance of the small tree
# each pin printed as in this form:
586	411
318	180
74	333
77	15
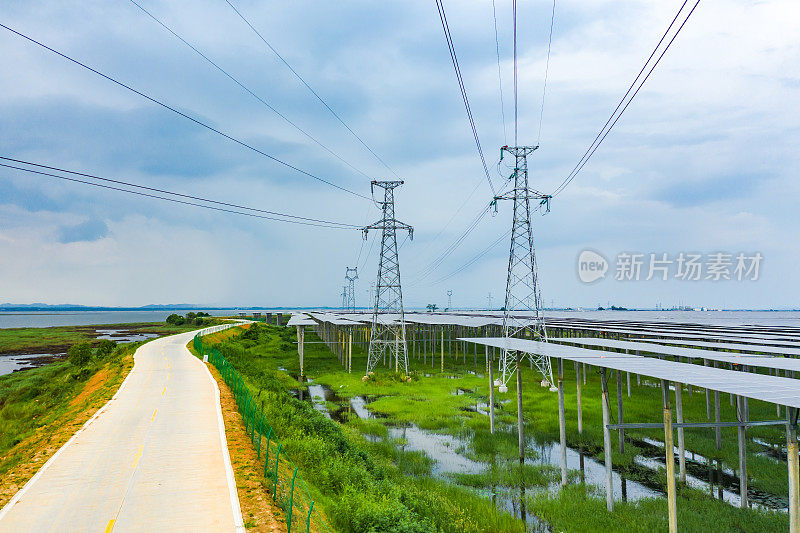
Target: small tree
80	354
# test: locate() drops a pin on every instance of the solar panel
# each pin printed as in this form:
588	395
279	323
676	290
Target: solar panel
762	361
772	389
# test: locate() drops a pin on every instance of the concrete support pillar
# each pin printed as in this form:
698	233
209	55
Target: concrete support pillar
519	415
562	428
607	441
681	448
717	430
300	340
708	396
742	453
580	406
672	514
628	378
794	470
619	412
442	349
491	395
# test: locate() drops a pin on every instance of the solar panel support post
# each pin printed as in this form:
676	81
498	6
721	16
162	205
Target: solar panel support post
620	413
491	393
520	432
794	469
300	340
742	453
607	441
562	430
670	461
708	396
580	405
718	431
681	448
442	349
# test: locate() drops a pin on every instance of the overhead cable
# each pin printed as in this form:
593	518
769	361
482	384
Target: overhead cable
184	115
318	97
229	207
462	88
620	109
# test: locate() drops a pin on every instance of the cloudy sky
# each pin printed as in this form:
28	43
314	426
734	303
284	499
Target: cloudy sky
704	161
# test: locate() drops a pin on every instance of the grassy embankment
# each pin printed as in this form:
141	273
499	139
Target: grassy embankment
434	403
360	486
41	408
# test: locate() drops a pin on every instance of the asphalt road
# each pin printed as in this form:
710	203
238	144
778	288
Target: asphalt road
153	459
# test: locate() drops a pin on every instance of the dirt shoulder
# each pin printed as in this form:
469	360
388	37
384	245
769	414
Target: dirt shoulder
259	511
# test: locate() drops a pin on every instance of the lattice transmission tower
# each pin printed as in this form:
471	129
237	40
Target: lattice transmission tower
351	275
449	299
388	334
523	316
344	297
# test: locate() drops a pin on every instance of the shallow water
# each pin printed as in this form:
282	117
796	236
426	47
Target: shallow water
13	363
443	449
707	475
123	336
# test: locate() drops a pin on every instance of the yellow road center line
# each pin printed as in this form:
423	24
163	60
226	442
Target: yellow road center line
110	526
154	415
138	455
163	392
168	375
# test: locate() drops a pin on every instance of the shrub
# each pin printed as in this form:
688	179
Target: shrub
105	348
80	354
175	319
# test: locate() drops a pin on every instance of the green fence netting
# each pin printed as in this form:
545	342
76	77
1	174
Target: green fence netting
282	477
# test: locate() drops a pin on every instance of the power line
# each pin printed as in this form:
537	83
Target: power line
433	265
297	75
454	59
248	211
604	131
546	71
452	218
473	260
514	10
184	115
499	75
254	95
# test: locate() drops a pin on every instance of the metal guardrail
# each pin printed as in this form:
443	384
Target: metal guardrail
288	488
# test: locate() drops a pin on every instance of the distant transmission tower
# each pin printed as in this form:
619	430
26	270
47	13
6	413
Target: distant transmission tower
490	301
388	332
523	316
344	297
351	275
449	299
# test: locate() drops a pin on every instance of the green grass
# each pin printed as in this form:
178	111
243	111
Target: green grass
431	403
38	397
362	486
578	508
